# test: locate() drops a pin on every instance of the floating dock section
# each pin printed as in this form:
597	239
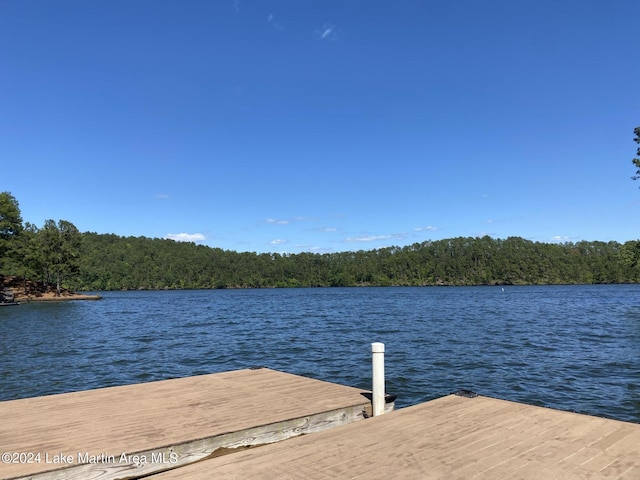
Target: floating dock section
451	438
180	429
135	430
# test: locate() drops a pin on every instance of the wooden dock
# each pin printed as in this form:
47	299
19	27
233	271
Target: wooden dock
451	438
135	430
177	429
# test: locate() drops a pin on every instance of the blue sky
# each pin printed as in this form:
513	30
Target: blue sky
323	126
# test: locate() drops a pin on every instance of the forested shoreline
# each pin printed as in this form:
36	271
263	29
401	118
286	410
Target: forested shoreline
59	254
110	262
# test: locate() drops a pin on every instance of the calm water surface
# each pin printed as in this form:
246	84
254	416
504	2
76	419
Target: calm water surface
567	347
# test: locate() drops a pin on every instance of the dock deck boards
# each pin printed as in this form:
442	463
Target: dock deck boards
187	417
449	438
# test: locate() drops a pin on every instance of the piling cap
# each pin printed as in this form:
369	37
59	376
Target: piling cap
377	347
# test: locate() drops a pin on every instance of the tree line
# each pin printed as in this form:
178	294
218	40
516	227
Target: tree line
49	254
110	262
57	253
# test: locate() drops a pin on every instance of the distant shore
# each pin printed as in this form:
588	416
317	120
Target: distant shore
25	291
52	297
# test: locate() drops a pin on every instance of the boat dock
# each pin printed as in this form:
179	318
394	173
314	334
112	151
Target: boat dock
135	430
200	428
451	438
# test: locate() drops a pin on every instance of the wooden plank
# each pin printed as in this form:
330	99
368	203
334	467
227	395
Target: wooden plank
451	437
139	429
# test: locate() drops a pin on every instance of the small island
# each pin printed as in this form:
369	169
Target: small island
15	290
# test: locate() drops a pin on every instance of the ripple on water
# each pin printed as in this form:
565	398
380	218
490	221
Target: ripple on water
568	347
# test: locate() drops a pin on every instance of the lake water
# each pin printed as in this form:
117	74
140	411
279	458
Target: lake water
567	347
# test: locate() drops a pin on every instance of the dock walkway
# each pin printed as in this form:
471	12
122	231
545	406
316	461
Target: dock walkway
176	429
451	438
135	430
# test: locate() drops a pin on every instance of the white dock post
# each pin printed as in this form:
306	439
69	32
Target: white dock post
378	390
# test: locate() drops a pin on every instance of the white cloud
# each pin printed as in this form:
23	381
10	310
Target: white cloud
428	228
286	221
560	238
277	241
369	238
328	32
271	20
185	237
163	196
324	229
314	249
374	238
275	221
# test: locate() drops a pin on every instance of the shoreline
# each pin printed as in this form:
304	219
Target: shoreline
18	290
54	298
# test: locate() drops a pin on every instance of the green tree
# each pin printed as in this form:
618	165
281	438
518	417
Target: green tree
32	261
60	244
630	253
10	226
